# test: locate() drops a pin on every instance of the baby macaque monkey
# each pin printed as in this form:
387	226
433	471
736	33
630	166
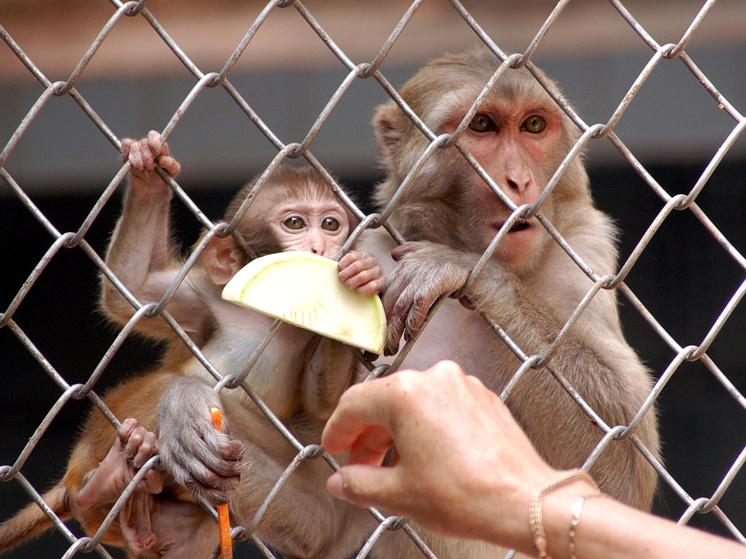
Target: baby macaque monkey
300	374
294	210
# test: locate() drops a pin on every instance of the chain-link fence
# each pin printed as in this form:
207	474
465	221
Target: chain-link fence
374	75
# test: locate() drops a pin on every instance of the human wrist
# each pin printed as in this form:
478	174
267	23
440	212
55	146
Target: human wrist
493	517
552	514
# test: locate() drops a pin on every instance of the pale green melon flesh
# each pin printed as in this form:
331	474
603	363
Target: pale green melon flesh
304	289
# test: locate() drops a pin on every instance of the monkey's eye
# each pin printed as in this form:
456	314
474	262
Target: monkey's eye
482	123
534	124
294	223
330	224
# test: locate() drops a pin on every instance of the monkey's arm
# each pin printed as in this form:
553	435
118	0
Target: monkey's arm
427	270
204	460
141	252
599	365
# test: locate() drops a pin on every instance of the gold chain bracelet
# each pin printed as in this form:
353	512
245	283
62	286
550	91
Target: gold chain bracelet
577	509
536	522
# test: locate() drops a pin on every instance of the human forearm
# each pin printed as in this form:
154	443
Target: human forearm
611	530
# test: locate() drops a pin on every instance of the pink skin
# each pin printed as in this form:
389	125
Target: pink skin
360	271
317	226
514	147
146	522
133	447
422	414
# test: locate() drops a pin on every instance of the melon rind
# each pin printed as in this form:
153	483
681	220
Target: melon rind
304	289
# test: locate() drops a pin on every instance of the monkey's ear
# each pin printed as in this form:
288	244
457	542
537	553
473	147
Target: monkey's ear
389	130
222	259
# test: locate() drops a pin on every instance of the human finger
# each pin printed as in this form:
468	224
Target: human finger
357	413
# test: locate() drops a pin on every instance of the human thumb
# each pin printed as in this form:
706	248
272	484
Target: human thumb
364	486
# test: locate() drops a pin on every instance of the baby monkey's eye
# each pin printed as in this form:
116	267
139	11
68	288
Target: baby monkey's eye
330	224
482	123
294	222
534	124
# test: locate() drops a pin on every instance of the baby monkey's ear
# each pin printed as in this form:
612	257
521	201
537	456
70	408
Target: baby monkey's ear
222	258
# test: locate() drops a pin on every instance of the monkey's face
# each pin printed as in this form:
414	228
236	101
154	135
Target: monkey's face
517	144
519	136
317	226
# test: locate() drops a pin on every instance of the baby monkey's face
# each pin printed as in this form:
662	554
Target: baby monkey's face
320	227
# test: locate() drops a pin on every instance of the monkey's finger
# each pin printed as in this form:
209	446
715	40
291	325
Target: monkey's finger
169	164
223	450
141	447
357	261
136	157
357	280
192	473
363	270
154	143
213	496
126	144
396	327
125	431
349	266
417	315
147	155
132	440
205	483
208	453
398	252
371	287
395	300
396	309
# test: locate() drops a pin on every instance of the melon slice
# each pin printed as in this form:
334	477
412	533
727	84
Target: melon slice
304	289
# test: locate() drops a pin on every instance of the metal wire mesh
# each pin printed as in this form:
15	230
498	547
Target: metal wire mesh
303	148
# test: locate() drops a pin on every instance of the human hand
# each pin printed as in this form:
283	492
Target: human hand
462	465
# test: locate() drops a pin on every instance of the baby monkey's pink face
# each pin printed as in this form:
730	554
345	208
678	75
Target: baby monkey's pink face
319	226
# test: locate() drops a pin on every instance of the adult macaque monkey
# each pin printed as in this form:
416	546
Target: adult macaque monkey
530	286
300	375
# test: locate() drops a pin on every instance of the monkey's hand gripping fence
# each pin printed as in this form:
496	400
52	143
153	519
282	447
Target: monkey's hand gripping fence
373	74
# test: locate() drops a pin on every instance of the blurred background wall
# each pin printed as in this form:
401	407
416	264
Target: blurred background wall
135	83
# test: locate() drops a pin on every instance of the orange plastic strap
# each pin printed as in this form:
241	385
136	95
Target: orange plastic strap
224	521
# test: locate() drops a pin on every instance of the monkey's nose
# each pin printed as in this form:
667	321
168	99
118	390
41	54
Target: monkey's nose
317	245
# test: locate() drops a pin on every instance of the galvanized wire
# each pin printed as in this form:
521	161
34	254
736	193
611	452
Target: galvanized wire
662	54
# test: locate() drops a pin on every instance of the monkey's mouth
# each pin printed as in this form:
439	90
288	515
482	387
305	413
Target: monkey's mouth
519	225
